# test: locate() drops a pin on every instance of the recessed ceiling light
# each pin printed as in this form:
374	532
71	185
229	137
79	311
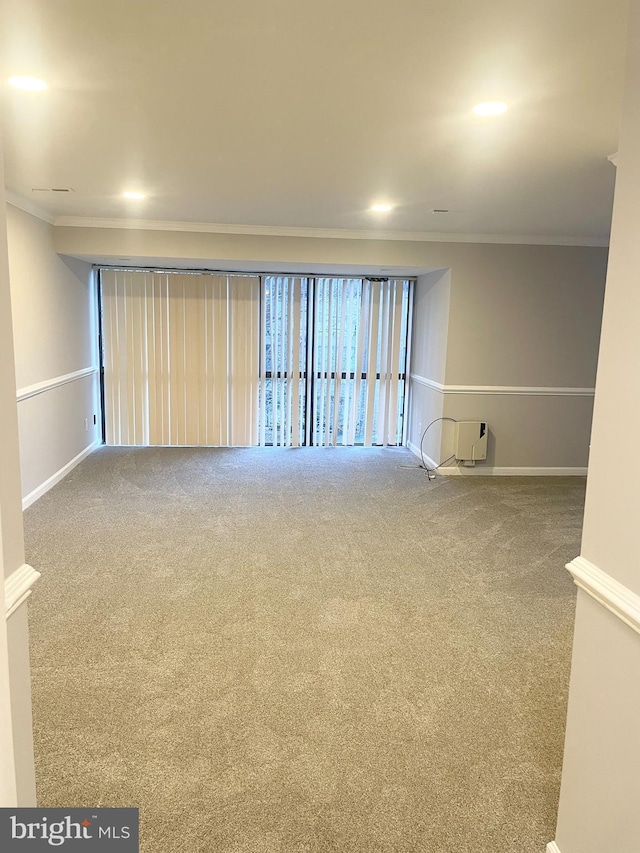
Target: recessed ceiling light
490	108
30	84
381	208
134	195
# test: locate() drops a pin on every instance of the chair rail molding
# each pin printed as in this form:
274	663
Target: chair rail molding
616	597
48	384
428	383
17	587
498	390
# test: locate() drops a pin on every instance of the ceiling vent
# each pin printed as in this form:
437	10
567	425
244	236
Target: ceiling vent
51	190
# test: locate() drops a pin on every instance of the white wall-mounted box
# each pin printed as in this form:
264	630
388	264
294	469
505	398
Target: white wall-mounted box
470	440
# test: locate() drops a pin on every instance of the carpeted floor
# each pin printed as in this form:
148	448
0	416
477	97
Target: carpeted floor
303	651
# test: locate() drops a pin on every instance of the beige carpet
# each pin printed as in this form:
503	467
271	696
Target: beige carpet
304	650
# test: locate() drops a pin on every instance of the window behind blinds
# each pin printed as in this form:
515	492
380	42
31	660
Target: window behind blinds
333	360
233	360
181	358
359	361
284	376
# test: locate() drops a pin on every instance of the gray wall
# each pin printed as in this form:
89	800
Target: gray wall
55	334
526	315
527	433
520	316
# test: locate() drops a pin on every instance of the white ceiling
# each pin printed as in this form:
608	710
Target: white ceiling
294	113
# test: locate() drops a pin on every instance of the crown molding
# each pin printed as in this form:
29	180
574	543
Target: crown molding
29	206
322	233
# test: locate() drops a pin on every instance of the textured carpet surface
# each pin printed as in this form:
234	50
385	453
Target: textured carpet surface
303	650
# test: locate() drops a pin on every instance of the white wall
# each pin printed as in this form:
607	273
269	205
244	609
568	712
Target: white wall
17	775
600	787
54	322
431	298
601	769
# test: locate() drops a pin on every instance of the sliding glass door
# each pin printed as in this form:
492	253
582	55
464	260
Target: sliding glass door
180	357
241	360
284	363
333	360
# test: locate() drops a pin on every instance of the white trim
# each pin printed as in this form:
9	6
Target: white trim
48	384
17	588
416	452
520	390
617	598
481	470
428	383
500	390
33	496
552	847
29	206
326	233
488	471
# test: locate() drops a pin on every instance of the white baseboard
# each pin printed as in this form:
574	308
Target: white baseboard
33	496
482	470
552	847
416	452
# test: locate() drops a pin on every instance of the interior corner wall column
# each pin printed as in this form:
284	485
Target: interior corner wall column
431	307
17	776
601	772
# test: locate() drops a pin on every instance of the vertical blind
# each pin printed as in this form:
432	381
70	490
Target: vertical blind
233	360
284	371
359	356
181	356
333	360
